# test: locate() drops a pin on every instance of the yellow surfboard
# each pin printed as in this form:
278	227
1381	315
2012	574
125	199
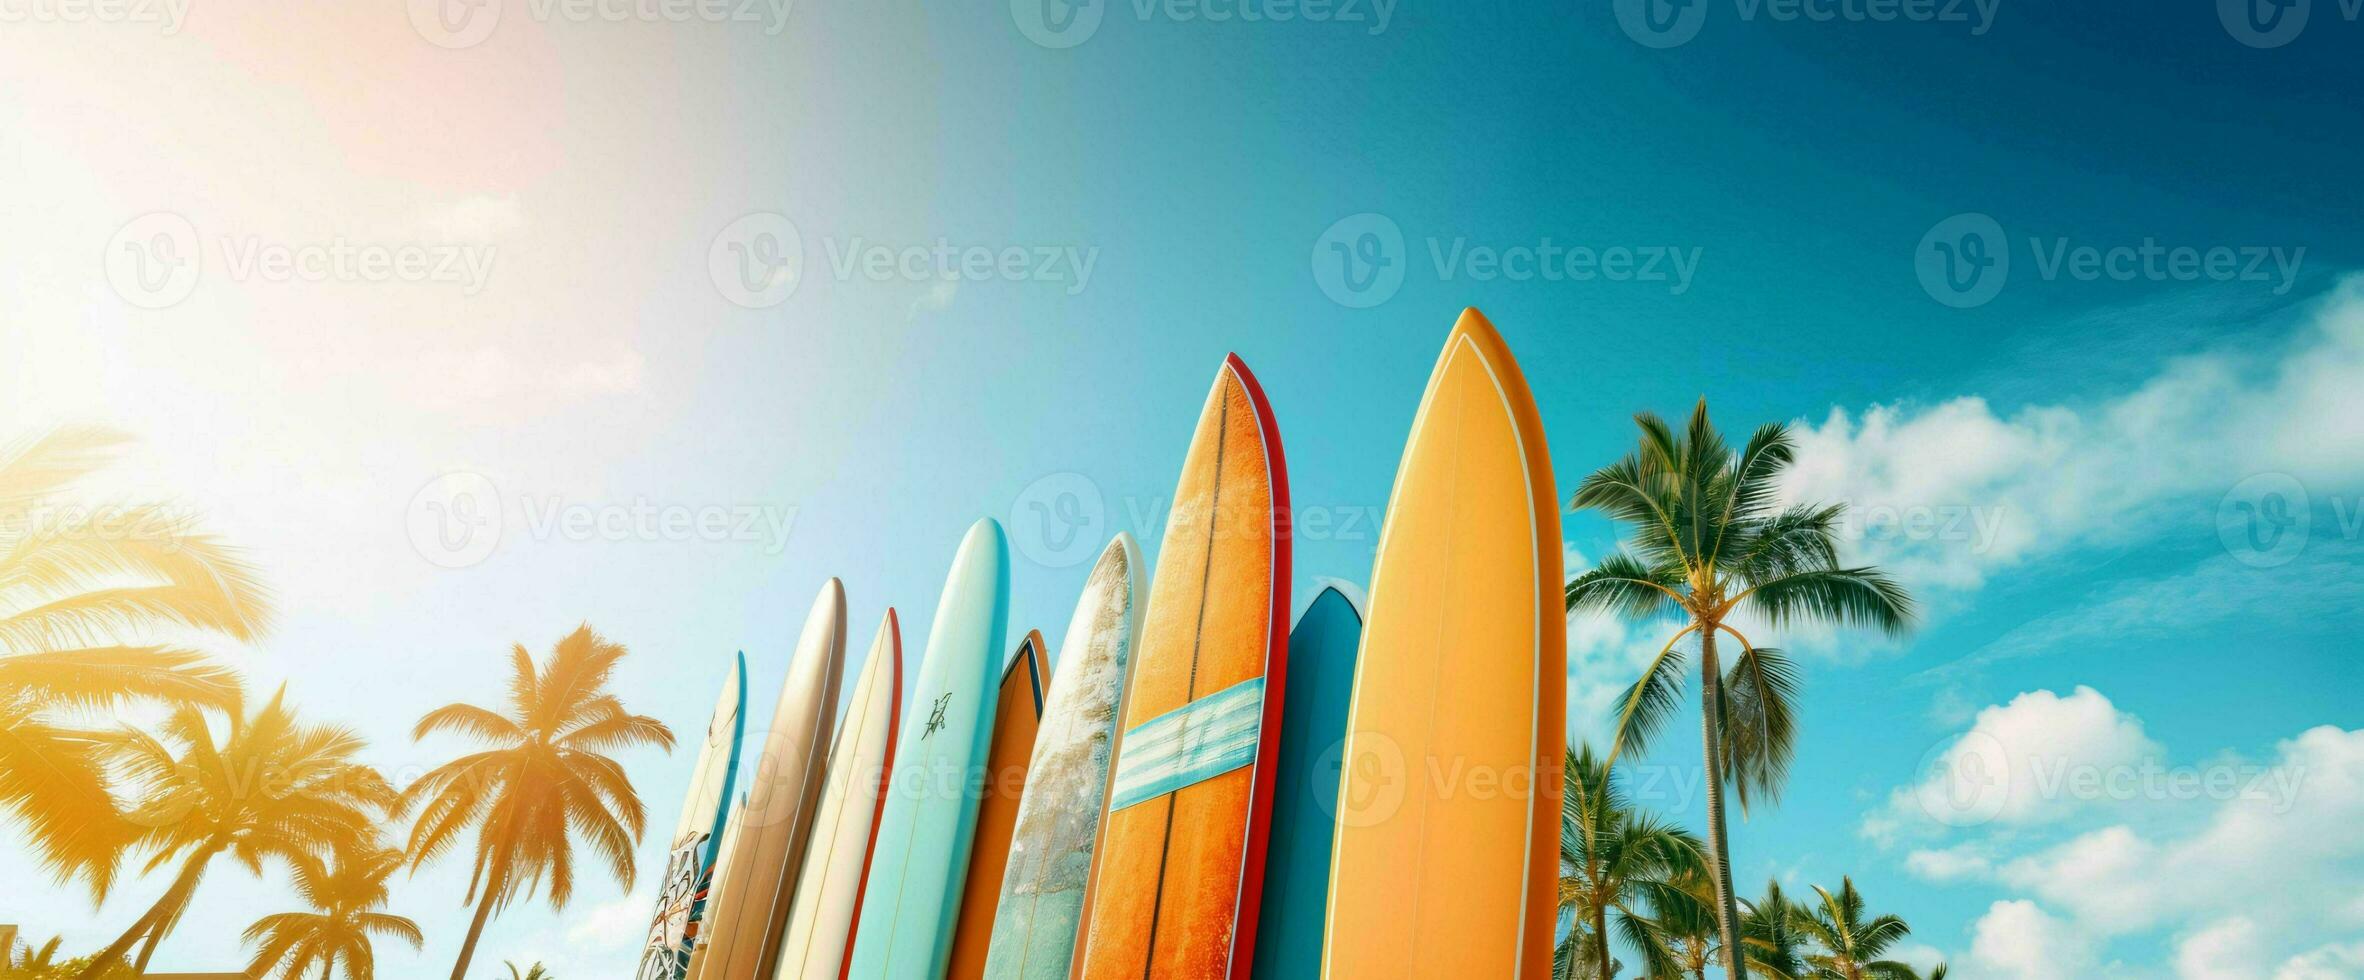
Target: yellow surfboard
1447	844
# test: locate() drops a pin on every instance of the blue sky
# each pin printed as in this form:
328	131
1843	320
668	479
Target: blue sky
2056	459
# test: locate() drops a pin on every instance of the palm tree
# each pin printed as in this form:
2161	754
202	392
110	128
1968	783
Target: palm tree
1691	932
28	961
548	773
1620	868
274	788
1851	947
1773	935
85	593
535	972
345	902
1711	544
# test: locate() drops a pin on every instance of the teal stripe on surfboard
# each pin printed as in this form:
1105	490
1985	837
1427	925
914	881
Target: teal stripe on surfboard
1190	744
912	900
1322	649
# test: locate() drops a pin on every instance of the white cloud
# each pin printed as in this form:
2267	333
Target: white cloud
1961	862
2016	940
2333	962
1947	494
2251	862
2033	760
2229	949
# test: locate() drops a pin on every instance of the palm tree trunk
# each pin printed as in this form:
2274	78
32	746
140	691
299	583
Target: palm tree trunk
1600	929
328	968
1711	696
459	970
158	920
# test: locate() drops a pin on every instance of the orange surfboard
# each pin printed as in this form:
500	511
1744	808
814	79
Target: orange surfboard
1015	720
1179	870
1446	854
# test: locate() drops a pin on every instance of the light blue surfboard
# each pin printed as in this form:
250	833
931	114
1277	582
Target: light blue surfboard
1322	649
912	901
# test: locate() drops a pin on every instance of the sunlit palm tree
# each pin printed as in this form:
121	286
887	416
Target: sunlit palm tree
1852	947
1620	868
1709	544
1691	932
272	789
548	773
96	606
345	900
534	972
27	961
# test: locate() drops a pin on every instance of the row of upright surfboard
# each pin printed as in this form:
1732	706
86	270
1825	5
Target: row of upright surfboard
1202	791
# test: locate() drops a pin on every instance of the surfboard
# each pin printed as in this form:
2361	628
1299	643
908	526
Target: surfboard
913	896
818	938
1041	903
1017	718
774	822
690	860
1177	876
1445	859
1305	799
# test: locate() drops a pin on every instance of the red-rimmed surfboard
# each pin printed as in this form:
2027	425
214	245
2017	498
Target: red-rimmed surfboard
1446	851
845	830
1179	869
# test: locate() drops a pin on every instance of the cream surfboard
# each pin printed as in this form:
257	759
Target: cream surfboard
912	899
690	860
1462	670
1178	874
752	895
820	930
1016	720
1042	890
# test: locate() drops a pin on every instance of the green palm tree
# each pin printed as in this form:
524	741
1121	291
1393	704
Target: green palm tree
337	932
1710	543
547	779
1852	947
1620	871
274	788
1773	935
84	593
535	972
